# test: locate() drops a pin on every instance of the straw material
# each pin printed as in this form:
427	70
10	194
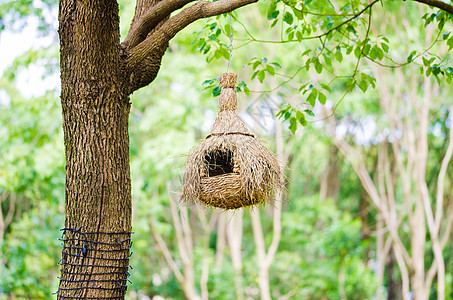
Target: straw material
251	173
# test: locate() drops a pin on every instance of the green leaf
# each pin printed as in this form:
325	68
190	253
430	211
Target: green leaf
208	81
411	56
261	76
339	56
425	62
327	59
357	51
272	9
349	50
299	36
274	23
330	24
301	118
273	15
380	53
318	66
297	13
287	115
206	49
372	81
216	91
303	87
293	125
309	112
436	70
217	54
225	53
386	40
270	70
450	43
254	74
228	29
284	110
374	53
366	49
312	97
246	90
326	87
322	98
363	85
256	64
306	52
288	18
385	47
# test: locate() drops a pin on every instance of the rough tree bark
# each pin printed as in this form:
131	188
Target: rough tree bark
98	73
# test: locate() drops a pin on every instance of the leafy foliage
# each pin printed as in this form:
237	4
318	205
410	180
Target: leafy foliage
14	14
30	270
328	34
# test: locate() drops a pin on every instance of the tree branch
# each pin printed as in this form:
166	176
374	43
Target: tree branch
167	255
441	178
445	238
234	231
150	19
141	8
277	218
144	59
439	4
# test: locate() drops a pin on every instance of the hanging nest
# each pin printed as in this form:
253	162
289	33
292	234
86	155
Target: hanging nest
231	168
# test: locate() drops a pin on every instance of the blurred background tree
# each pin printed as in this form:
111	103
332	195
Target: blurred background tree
355	223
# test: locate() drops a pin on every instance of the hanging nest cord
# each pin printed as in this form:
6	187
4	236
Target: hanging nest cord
231	168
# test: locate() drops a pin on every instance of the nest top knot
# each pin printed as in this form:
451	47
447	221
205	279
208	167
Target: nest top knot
228	96
228	80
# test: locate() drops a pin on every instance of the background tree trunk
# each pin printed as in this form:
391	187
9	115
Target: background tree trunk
95	108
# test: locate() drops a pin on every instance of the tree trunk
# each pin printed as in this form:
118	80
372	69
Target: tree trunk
234	230
97	76
330	183
95	106
394	284
418	253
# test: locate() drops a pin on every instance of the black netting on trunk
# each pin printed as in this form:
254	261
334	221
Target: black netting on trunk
87	251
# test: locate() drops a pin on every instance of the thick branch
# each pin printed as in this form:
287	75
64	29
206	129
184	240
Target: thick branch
147	22
439	4
144	59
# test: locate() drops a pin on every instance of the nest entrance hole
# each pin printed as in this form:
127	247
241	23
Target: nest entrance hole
219	162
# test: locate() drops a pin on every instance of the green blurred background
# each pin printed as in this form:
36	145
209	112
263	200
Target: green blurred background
329	242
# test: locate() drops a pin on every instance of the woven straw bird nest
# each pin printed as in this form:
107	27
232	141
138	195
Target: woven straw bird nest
231	168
